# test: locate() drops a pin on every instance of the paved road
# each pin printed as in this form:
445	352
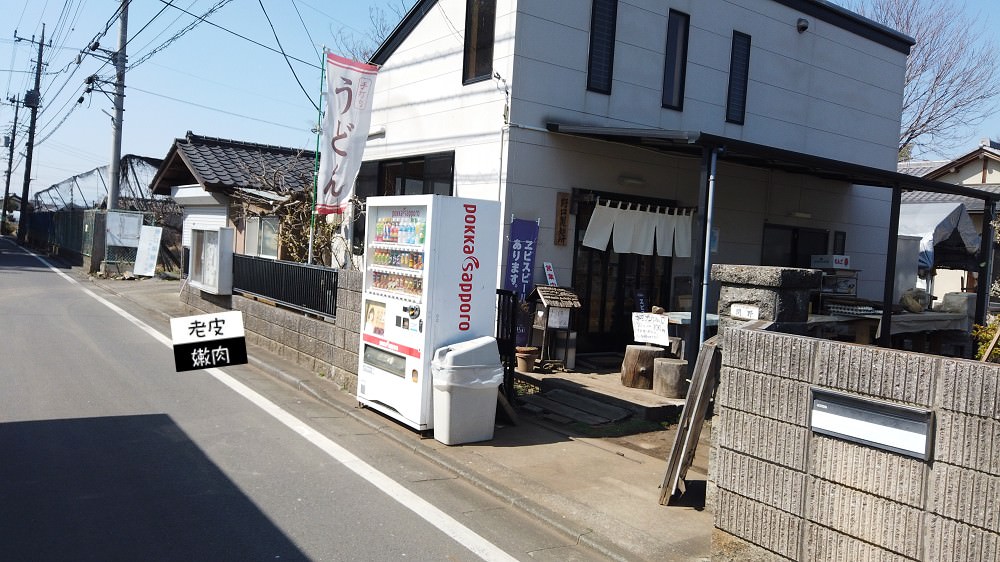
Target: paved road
109	454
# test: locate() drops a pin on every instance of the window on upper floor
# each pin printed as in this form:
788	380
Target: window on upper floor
603	17
675	66
480	20
739	76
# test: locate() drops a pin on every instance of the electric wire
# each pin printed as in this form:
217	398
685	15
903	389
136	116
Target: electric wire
285	56
245	38
234	114
306	29
166	28
183	31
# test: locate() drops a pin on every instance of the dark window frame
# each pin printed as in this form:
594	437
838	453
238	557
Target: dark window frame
480	24
602	54
739	78
800	238
675	63
373	177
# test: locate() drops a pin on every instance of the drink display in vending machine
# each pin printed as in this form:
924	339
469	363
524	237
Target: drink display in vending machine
430	279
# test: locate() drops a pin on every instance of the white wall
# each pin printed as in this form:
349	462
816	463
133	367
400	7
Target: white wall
543	165
826	92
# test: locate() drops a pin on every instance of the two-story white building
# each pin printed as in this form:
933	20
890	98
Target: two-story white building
765	130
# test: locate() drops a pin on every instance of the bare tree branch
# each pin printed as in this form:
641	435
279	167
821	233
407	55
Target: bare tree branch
361	46
950	81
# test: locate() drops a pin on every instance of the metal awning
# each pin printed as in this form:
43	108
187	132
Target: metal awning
763	156
712	148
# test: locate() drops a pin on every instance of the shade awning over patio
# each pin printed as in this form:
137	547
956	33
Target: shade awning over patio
763	156
712	148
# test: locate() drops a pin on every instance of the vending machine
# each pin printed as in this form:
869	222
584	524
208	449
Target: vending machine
430	279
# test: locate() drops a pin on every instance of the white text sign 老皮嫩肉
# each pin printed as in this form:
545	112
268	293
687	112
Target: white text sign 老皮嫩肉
208	340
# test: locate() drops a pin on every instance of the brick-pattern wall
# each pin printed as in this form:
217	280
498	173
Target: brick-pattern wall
327	348
782	492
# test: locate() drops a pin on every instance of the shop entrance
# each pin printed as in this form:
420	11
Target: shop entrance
612	286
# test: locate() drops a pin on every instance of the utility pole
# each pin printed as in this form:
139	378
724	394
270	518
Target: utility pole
32	100
116	122
10	160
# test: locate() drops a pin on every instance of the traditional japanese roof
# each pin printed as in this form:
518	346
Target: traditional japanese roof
988	152
972	204
919	168
228	166
555	296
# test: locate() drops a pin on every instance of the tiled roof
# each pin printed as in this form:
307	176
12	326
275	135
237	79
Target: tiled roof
972	204
228	165
919	168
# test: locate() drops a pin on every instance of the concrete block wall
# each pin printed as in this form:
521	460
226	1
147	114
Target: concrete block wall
323	347
780	491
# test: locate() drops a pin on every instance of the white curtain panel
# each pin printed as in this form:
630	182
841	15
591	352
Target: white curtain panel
682	236
665	234
599	230
643	236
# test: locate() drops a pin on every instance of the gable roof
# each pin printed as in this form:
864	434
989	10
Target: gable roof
819	9
227	166
988	152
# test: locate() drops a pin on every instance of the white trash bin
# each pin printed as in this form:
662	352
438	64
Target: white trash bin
466	376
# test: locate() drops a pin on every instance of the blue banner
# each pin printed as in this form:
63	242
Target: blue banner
520	271
522	242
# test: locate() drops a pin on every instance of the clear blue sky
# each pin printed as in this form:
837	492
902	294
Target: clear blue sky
208	81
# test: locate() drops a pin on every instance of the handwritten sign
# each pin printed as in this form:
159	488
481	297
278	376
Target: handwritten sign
651	328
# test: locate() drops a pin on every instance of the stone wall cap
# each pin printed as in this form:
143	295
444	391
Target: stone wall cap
767	276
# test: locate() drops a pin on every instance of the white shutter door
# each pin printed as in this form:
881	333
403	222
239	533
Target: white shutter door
207	218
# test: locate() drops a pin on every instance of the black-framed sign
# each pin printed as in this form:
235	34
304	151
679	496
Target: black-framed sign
883	425
208	340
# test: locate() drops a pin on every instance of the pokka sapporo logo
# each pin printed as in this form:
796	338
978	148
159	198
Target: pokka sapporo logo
469	266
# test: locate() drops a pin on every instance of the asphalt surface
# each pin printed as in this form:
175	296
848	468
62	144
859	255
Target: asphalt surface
572	497
109	454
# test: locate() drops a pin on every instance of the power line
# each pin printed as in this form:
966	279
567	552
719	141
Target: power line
285	56
245	38
166	28
216	109
306	28
184	30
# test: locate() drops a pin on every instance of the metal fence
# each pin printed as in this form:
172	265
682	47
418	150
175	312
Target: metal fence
304	287
60	228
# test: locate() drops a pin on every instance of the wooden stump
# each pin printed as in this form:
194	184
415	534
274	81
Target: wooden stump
637	368
670	377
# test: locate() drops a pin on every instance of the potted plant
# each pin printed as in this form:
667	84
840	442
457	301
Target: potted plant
526	356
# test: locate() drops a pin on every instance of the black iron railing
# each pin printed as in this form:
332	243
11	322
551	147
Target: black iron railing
308	288
506	335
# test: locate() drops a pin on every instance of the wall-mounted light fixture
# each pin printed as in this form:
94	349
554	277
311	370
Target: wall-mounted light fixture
802	25
800	215
377	133
630	180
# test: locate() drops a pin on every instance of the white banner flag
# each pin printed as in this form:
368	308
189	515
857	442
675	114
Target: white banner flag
350	86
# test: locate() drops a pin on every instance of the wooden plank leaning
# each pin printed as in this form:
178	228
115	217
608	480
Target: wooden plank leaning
691	421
